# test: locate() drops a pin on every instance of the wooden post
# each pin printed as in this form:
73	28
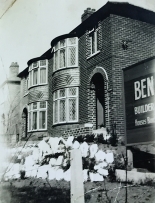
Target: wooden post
77	188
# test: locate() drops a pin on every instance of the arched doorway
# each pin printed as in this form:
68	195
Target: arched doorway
98	86
24	122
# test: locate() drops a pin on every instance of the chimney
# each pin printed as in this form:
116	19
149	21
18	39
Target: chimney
87	13
14	70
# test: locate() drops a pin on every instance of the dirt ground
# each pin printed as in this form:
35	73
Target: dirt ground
44	191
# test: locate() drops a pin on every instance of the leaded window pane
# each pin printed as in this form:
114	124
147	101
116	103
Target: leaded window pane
62	93
55	110
30	121
62	43
72	91
42	75
43	104
71	56
30	67
72	41
35	76
43	63
56	94
30	78
62	110
42	119
34	120
35	64
72	109
35	105
62	58
56	60
57	46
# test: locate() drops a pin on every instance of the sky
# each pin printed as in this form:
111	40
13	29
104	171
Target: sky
28	26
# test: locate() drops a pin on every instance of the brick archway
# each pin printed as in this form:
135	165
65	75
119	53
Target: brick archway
97	74
100	70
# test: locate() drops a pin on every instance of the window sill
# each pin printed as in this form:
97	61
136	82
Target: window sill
38	130
96	53
65	68
25	94
65	123
38	85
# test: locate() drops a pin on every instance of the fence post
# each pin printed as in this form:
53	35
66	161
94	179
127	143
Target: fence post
77	188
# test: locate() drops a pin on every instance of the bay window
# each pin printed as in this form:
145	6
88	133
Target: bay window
65	53
37	116
38	73
65	105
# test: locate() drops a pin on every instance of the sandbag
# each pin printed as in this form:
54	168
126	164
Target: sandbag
100	156
84	149
109	157
67	175
95	177
103	172
93	150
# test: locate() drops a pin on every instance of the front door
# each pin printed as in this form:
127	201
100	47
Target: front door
98	82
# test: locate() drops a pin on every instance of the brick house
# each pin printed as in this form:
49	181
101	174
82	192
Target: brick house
9	102
76	85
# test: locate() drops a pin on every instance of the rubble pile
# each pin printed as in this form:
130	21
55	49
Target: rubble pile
50	159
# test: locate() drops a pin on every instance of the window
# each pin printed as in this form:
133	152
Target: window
94	36
38	73
65	105
37	116
65	53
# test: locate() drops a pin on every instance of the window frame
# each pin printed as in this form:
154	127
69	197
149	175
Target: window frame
93	33
30	116
38	67
67	97
57	48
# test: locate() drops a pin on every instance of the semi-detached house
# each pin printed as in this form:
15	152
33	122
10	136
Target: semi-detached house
76	85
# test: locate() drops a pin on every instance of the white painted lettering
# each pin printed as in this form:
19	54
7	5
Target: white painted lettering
150	85
137	90
144	108
143	86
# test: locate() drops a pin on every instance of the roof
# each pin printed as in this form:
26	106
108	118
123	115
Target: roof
23	73
117	8
121	9
46	55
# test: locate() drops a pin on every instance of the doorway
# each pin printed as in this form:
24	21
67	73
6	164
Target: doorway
98	83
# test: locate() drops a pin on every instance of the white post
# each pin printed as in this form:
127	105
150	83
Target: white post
77	188
130	159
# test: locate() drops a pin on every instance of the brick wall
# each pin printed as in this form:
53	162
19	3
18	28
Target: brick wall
87	66
141	46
